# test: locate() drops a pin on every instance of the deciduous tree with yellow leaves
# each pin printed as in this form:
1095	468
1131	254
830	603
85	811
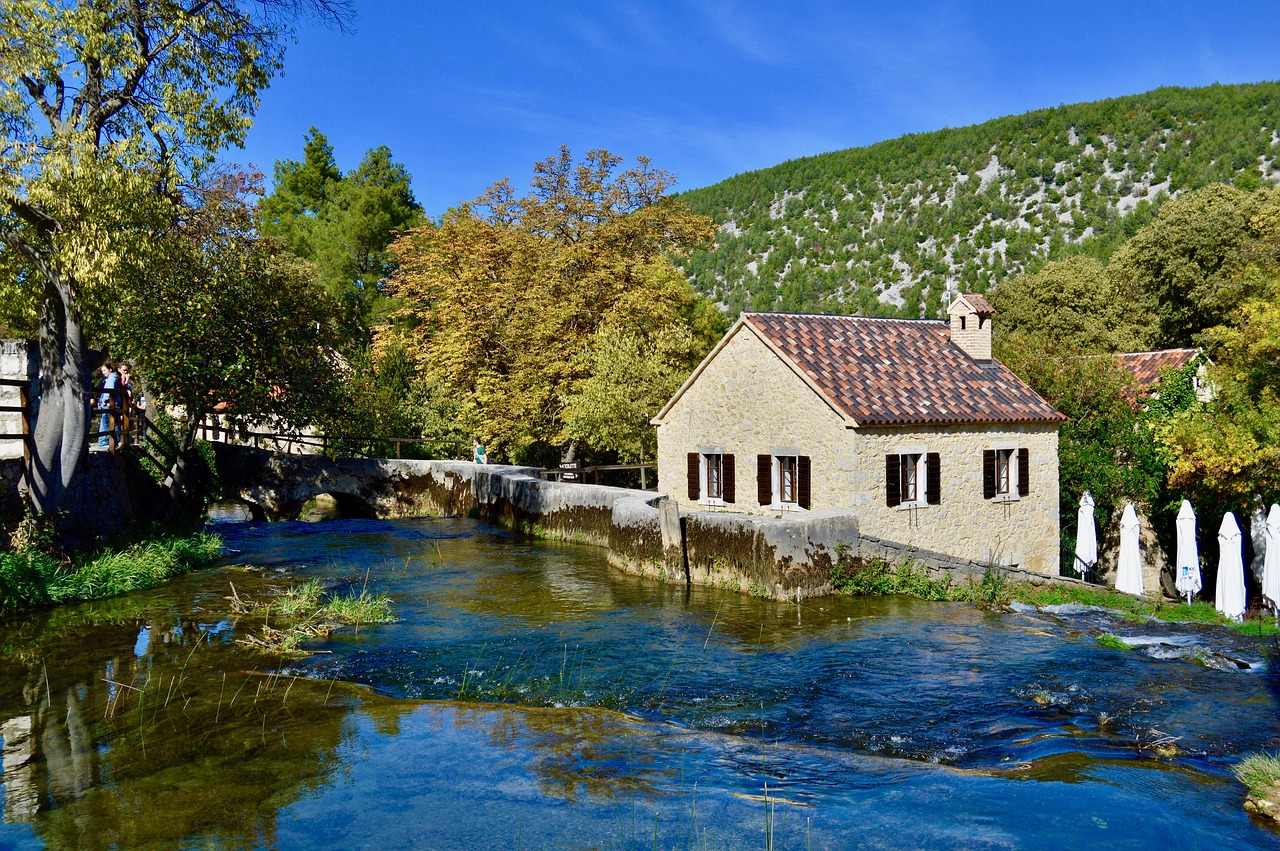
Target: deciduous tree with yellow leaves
107	107
504	295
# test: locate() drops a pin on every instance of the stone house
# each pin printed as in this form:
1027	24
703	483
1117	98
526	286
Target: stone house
908	424
1148	369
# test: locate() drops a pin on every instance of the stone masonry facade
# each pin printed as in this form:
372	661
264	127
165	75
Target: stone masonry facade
748	401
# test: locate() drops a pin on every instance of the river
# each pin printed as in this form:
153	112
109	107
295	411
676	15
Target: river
529	696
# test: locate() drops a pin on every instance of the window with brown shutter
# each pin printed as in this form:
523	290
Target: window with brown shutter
892	484
988	473
1024	472
726	462
764	479
805	493
933	478
695	475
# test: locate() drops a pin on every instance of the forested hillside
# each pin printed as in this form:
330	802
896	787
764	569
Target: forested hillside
888	229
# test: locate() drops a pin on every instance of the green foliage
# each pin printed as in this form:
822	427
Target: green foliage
629	377
219	318
107	109
1106	639
343	224
973	205
30	578
1184	267
1075	303
503	297
386	394
1229	448
1138	608
1102	446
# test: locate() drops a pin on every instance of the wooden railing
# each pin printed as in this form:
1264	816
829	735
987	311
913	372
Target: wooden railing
324	444
388	447
594	473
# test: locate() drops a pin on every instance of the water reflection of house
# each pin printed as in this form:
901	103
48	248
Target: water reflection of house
909	424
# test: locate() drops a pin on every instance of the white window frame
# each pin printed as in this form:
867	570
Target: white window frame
922	477
1011	495
705	453
779	504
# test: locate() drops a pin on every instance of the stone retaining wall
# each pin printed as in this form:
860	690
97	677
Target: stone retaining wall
777	556
18	360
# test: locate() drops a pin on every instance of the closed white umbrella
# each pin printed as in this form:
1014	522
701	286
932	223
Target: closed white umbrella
1129	567
1229	598
1188	553
1086	537
1271	561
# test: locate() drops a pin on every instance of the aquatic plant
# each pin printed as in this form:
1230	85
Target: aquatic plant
1260	772
308	612
1106	639
31	577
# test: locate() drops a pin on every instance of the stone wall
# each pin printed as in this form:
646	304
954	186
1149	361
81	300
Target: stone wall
777	556
18	360
1012	531
748	401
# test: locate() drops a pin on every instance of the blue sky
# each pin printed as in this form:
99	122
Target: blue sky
466	93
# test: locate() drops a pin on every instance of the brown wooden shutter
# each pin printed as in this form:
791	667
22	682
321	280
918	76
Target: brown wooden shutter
729	482
933	478
764	479
988	473
695	475
892	481
803	492
1024	472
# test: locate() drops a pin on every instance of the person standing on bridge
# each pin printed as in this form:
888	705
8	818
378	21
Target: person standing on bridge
478	452
105	400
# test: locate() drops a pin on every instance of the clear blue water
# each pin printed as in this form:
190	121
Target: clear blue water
529	696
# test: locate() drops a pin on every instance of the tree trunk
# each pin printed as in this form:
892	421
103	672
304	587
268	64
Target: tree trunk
61	430
177	477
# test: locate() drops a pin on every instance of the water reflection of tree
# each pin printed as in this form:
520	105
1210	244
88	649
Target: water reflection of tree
578	753
140	730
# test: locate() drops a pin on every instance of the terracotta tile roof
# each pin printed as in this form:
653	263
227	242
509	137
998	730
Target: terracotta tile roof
980	305
1146	366
900	371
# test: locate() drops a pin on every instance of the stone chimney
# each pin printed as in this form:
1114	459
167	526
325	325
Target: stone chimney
971	325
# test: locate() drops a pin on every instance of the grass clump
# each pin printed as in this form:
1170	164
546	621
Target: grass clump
879	577
1106	639
1260	772
306	611
855	577
31	576
1139	608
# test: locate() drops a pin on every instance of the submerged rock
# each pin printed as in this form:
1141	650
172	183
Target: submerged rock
1266	805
